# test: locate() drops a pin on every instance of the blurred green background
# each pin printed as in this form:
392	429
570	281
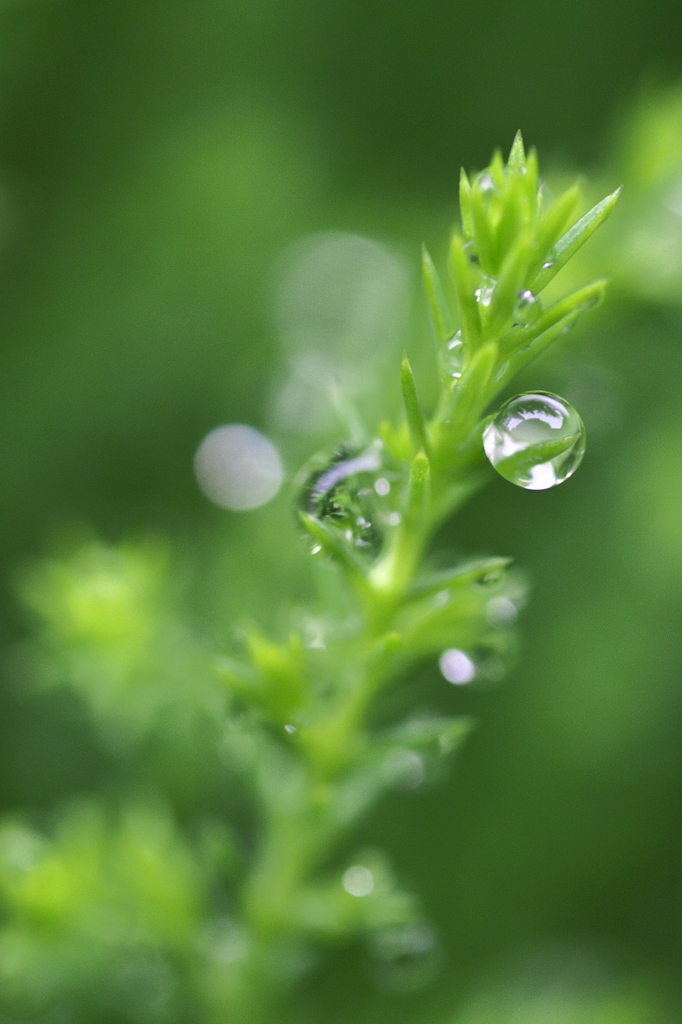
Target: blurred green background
156	160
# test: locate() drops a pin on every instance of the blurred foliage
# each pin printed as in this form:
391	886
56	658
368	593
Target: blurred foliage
156	160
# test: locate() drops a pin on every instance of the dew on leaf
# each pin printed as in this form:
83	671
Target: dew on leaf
486	184
535	441
484	294
452	357
528	309
350	493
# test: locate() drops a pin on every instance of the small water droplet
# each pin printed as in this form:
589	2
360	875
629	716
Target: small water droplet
457	667
486	184
484	294
548	265
291	729
535	441
347	492
394	519
528	309
452	357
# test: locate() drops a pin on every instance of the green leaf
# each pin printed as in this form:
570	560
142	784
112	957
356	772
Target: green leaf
519	465
500	315
580	301
570	242
443	734
465	203
483	237
514	217
552	224
469	396
415	418
477	572
337	550
517	154
558	319
416	507
465	287
440	312
530	181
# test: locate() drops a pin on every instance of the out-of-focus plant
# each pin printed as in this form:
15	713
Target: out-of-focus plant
127	915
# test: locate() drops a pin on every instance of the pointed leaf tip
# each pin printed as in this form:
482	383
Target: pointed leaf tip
415	418
517	153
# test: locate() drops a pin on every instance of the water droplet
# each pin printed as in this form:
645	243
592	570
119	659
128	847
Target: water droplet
484	294
290	729
535	441
486	184
457	667
238	468
349	493
452	357
548	264
528	309
358	881
394	519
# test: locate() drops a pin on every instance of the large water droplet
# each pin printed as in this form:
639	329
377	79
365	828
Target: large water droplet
528	309
535	441
351	492
452	357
